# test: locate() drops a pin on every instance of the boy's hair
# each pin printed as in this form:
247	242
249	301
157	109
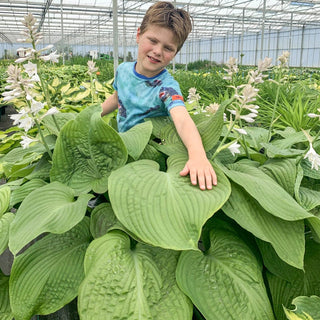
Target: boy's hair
164	14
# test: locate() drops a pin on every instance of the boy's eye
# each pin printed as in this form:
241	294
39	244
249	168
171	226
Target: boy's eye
169	49
153	40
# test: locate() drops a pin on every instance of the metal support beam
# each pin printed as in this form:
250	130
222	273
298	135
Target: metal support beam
44	12
115	35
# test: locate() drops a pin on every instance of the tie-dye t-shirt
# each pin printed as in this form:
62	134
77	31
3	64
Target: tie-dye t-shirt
141	97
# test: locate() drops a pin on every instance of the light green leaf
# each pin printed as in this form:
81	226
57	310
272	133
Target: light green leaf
5	193
309	199
48	274
51	208
307	171
307	308
5	222
226	281
137	138
298	283
163	208
133	284
19	194
255	136
271	196
286	237
60	118
86	152
5	309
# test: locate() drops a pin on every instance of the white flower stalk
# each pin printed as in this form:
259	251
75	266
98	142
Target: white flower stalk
284	59
25	142
314	115
91	67
256	76
51	111
313	157
234	148
232	68
248	117
247	95
36	106
193	96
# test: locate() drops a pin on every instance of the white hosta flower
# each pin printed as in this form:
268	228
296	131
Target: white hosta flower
36	106
313	157
240	130
232	68
53	110
23	120
193	96
314	115
50	46
249	117
53	57
25	143
234	148
284	58
265	64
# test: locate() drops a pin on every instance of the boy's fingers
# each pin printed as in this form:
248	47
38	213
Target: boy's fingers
184	171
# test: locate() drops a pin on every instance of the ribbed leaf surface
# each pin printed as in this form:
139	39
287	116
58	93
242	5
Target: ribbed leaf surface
271	196
51	208
163	208
286	237
47	275
5	222
226	282
5	309
309	198
86	152
137	138
137	284
20	193
297	284
5	194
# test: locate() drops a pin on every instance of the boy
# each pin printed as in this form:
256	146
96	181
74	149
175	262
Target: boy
145	88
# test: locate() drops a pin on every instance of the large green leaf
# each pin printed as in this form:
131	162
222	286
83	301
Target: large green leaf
295	284
5	193
226	281
5	309
132	284
309	199
5	222
86	152
47	275
287	237
51	208
307	308
137	138
163	208
271	196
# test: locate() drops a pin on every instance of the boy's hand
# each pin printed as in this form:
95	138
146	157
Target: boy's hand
201	172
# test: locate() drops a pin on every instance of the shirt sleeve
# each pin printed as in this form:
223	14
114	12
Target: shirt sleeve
171	96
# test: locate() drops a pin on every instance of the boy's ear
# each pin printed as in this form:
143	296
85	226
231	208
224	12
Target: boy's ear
138	35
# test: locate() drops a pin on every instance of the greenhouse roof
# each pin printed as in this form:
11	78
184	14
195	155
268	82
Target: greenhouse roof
91	21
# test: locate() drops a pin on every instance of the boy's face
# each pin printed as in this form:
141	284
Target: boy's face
156	48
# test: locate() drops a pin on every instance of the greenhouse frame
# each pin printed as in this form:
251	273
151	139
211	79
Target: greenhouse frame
246	29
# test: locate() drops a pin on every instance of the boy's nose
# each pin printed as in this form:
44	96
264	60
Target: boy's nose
157	50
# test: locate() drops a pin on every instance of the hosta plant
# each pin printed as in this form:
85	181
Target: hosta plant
108	220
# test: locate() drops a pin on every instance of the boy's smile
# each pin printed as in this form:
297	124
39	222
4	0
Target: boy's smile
156	48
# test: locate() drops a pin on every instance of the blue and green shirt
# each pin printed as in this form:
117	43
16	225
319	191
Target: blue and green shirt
140	97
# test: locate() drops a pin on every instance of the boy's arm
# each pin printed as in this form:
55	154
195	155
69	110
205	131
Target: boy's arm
110	104
198	166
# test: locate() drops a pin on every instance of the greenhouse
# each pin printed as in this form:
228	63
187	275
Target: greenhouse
159	160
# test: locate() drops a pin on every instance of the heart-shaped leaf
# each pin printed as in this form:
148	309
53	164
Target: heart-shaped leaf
51	208
47	275
126	283
226	281
163	208
86	152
